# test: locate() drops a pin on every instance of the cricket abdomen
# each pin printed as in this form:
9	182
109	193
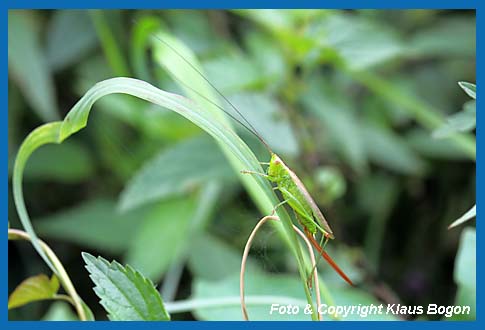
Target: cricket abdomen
296	200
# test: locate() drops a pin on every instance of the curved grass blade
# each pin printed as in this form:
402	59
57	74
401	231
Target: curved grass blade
237	151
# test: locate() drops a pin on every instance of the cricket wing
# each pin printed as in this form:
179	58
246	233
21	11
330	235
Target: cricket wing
316	211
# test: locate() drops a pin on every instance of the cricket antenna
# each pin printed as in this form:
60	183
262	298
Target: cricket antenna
247	125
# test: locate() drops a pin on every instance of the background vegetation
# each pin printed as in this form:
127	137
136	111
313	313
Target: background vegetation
359	103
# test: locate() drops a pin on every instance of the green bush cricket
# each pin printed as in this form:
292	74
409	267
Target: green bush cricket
287	182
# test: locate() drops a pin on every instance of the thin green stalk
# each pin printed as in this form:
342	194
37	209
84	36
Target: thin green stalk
189	305
111	48
73	298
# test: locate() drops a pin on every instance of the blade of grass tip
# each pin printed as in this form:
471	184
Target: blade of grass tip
77	119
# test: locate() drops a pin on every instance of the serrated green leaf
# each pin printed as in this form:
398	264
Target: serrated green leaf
125	294
470	214
469	88
28	66
34	288
179	169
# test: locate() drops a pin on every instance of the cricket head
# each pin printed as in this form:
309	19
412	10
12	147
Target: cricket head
276	168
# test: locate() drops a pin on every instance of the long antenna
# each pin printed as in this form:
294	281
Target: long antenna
250	128
224	110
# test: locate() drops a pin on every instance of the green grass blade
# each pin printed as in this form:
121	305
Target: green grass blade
240	154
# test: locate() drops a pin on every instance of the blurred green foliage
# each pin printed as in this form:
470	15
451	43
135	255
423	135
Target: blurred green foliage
363	105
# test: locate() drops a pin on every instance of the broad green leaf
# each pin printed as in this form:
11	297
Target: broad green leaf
451	36
70	163
125	294
160	238
465	273
469	88
70	36
182	168
463	121
194	28
34	288
90	224
232	73
339	123
470	214
267	57
385	149
423	113
28	66
59	311
360	43
423	144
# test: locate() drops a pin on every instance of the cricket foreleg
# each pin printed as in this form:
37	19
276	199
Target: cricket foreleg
255	173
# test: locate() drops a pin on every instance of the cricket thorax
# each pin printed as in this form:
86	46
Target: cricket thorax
276	169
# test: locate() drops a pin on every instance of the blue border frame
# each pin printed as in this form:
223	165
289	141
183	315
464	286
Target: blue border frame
126	4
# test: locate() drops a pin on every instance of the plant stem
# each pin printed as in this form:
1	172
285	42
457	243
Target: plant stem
191	304
110	47
74	298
